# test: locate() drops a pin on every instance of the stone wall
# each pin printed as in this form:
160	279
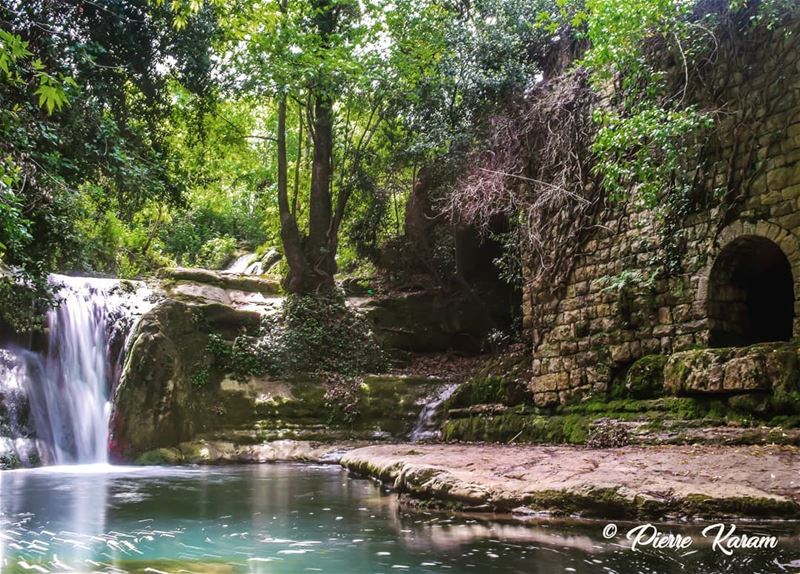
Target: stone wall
615	307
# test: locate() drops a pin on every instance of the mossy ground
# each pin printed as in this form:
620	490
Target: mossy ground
636	394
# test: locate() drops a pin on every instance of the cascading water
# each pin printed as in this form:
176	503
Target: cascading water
241	264
68	388
247	264
426	428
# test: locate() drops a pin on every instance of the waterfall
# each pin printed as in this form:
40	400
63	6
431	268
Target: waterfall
426	428
253	264
247	264
69	386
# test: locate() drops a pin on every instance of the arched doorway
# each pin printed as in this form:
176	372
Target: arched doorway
750	294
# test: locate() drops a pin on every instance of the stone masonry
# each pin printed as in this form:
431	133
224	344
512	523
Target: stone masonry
614	308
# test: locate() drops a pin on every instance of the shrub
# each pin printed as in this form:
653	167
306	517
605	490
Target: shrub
319	334
217	252
312	334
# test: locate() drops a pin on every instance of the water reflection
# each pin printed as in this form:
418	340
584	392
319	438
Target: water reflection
292	518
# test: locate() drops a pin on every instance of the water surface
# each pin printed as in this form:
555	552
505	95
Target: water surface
287	518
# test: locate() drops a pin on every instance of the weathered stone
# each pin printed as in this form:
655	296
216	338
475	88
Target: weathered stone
645	378
701	481
732	370
546	399
171	392
549	383
222	280
430	321
695	304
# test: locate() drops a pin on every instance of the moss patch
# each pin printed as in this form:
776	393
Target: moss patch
570	424
503	379
518	427
645	378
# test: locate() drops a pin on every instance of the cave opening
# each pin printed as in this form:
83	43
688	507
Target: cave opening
751	294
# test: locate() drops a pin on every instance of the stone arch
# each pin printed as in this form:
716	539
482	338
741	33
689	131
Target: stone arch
749	290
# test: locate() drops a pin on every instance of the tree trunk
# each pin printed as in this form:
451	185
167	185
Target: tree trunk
290	234
311	259
321	248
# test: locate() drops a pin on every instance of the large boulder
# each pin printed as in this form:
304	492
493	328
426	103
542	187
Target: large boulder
157	402
429	321
247	283
733	370
172	391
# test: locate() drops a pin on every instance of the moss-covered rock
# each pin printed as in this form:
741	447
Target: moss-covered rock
739	419
502	379
171	391
519	427
157	402
430	321
645	378
247	283
160	456
762	367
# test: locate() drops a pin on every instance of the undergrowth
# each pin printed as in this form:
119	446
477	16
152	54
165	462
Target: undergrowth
314	335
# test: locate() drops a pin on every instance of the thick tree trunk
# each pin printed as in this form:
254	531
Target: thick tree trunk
312	258
321	248
290	234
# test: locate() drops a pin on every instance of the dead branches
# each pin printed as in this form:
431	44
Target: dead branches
536	170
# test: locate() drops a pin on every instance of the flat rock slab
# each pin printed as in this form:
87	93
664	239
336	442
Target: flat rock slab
225	452
633	482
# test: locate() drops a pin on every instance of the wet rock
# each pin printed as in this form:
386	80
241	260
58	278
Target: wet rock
226	452
172	390
270	259
645	378
18	443
246	283
152	401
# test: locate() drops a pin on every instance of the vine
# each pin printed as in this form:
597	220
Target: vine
637	121
536	170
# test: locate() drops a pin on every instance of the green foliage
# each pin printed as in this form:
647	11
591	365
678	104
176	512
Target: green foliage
502	379
311	335
642	151
629	281
241	358
646	136
519	427
509	263
86	174
9	461
24	299
645	378
319	334
643	139
342	396
217	252
141	133
200	378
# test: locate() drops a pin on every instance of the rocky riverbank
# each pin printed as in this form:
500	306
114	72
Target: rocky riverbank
664	482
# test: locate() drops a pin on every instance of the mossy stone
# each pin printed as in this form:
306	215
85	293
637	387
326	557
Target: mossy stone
645	378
